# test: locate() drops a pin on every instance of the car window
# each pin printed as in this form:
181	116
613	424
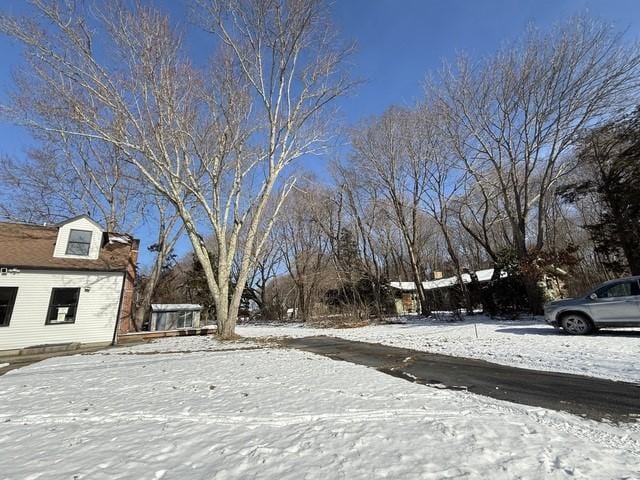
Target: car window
622	289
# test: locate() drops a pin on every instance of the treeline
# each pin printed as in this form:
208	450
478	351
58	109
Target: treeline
525	161
338	243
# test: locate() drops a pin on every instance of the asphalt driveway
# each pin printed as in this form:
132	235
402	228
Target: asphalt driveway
581	395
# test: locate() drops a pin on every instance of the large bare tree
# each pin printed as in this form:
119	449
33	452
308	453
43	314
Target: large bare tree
445	178
215	141
514	117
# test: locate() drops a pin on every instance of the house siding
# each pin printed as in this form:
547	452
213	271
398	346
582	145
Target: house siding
96	314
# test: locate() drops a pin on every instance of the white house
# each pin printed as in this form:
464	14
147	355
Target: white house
67	283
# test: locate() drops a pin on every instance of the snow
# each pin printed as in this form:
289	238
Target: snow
171	307
117	238
483	276
211	412
407	286
532	344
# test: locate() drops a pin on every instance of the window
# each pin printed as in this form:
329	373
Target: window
185	319
623	289
7	301
173	319
79	242
63	305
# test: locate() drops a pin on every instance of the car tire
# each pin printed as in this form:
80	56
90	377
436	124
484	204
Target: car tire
576	324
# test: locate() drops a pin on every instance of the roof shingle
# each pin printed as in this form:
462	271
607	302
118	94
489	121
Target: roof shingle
31	247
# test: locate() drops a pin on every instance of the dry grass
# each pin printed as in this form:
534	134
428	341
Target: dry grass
338	321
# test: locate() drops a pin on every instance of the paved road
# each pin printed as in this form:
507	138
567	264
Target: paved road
591	397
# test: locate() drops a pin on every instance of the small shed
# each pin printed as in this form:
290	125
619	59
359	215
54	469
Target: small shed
173	316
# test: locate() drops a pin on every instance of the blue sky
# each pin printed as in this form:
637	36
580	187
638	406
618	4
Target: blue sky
399	42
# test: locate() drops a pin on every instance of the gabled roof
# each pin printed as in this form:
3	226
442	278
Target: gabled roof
78	217
31	247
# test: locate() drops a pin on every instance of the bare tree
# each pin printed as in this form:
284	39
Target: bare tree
216	142
266	270
67	176
381	158
304	247
477	213
168	232
513	118
443	179
382	256
61	178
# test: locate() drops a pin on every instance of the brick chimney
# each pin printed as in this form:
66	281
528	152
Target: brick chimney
125	321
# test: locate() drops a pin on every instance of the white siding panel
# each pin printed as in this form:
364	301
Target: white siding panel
60	250
95	316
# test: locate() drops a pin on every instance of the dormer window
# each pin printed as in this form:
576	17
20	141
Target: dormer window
79	242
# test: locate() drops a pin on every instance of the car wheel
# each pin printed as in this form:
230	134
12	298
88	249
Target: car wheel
576	324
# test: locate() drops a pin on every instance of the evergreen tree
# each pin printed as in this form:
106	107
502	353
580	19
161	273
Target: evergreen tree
609	157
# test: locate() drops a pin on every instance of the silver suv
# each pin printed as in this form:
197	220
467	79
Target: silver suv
615	303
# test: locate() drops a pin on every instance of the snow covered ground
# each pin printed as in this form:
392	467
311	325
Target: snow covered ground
223	411
530	344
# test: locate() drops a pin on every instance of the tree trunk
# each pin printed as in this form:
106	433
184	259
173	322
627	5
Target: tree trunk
417	280
534	296
425	309
225	320
302	310
530	278
633	258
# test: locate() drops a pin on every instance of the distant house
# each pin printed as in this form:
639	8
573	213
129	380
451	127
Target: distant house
406	298
166	316
66	283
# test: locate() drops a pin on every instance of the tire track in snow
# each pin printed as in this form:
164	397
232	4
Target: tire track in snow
282	419
541	417
580	427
